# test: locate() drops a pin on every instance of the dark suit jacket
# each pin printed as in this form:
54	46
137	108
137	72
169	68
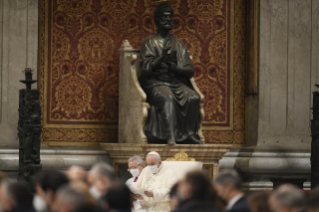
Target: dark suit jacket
24	208
240	206
193	205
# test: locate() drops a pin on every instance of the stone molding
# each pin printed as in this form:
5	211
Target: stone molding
258	168
53	159
267	162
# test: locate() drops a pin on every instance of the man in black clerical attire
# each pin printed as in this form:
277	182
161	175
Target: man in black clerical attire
165	72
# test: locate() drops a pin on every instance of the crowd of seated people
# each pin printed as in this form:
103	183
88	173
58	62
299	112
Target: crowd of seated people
100	190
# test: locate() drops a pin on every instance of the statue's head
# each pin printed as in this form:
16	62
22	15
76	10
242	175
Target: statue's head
163	17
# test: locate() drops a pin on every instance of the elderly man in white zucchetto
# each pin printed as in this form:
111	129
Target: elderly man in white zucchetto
154	184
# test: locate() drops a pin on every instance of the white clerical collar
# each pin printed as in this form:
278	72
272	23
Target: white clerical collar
233	201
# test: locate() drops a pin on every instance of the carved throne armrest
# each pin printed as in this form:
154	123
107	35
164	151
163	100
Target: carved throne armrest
133	108
201	110
141	95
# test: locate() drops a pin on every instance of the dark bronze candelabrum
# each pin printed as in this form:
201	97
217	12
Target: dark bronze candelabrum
315	141
29	127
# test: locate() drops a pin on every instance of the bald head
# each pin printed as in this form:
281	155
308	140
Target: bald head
76	173
288	188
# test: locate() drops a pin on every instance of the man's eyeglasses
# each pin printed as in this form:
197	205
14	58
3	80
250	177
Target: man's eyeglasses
134	167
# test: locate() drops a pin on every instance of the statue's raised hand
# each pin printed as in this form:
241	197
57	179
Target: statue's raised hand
165	51
174	68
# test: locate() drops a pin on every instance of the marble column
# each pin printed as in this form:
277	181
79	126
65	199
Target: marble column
19	42
19	49
286	74
279	116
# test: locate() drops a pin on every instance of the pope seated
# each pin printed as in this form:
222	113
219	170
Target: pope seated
154	184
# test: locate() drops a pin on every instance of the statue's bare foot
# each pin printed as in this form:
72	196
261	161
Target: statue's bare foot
193	140
171	142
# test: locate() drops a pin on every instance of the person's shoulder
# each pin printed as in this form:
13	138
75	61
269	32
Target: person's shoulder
198	207
129	181
178	41
243	201
241	205
240	209
149	39
168	170
144	171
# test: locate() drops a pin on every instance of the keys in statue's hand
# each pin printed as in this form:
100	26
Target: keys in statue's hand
173	67
165	51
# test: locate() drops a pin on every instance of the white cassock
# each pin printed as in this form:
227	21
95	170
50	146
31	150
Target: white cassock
160	184
137	205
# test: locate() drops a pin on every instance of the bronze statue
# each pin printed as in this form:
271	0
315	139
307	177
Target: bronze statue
166	70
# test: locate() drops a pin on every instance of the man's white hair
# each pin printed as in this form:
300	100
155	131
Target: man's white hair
138	159
104	170
230	176
157	156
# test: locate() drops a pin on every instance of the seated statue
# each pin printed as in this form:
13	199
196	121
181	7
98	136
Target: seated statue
166	68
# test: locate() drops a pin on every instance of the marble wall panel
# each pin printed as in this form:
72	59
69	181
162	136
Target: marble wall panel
300	65
278	67
288	69
264	67
19	46
315	45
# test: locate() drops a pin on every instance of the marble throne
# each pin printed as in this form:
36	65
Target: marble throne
133	107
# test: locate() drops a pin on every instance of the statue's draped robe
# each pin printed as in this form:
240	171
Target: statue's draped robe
161	184
174	111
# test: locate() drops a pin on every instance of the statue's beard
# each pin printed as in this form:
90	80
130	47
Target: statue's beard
168	25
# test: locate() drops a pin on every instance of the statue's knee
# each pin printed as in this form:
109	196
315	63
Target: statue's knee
169	98
195	98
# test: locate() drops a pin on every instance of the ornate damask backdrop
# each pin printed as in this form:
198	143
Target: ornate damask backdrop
79	64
